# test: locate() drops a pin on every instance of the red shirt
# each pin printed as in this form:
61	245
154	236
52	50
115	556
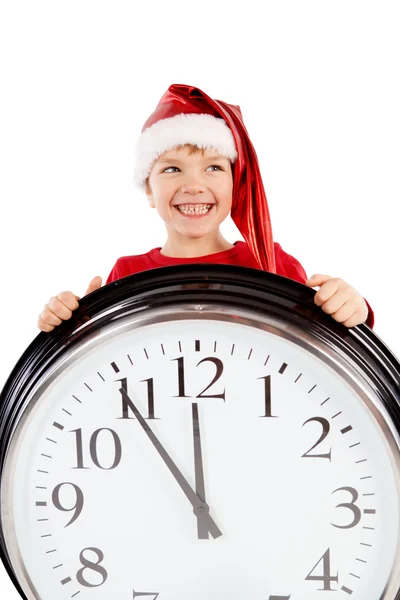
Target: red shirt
286	265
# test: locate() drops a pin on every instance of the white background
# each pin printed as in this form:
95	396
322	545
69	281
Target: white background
318	85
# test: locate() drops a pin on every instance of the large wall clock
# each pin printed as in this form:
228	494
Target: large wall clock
202	432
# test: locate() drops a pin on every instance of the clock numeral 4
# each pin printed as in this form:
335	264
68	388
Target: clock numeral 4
326	577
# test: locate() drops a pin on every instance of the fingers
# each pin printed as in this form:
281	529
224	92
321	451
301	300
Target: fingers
58	309
317	279
95	284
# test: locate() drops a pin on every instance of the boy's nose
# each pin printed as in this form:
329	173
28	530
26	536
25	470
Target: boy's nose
194	186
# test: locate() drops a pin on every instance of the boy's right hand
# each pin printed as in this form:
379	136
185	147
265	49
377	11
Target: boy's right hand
59	308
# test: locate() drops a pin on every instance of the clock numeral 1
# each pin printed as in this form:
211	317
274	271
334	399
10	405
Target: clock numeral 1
93	449
267	392
326	577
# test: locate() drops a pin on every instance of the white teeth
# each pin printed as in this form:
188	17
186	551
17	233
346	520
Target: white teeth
199	209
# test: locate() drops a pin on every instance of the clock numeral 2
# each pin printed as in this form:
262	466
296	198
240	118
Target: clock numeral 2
93	449
325	430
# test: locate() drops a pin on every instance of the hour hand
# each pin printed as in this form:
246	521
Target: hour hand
200	508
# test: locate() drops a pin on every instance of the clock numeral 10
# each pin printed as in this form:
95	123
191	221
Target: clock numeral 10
93	449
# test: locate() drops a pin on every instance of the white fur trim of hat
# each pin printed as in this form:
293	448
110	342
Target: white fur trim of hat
202	130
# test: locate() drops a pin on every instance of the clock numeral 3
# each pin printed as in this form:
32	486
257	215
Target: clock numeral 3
78	506
351	505
93	449
325	430
92	566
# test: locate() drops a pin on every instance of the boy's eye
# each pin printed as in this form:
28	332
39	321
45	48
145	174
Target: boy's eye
217	166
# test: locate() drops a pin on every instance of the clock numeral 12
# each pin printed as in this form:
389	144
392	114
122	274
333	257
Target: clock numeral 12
181	377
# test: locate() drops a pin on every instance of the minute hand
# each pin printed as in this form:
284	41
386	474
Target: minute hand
200	508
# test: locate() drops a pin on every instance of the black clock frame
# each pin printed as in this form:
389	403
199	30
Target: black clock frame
225	285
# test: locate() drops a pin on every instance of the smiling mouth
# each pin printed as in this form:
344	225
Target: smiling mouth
194	210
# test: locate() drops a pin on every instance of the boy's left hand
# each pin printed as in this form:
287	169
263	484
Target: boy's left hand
338	299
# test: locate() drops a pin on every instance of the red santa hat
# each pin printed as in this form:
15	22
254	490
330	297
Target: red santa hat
186	115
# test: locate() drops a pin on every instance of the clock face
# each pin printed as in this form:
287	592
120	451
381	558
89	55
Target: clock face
191	453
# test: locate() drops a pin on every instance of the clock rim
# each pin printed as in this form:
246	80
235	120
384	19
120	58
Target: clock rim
265	292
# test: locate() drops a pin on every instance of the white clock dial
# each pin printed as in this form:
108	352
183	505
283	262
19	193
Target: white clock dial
216	457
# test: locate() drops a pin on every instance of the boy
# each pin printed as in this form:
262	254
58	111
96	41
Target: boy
183	141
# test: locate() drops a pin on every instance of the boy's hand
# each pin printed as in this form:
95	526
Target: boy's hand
59	308
338	299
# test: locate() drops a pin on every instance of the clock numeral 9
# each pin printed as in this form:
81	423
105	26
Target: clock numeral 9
78	506
93	449
92	566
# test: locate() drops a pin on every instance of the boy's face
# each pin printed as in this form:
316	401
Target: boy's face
193	182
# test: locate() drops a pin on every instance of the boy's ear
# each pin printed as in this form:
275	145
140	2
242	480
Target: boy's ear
149	194
150	199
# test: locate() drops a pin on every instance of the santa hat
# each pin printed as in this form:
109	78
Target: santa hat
186	115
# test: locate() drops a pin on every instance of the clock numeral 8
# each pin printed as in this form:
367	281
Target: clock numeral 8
92	566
